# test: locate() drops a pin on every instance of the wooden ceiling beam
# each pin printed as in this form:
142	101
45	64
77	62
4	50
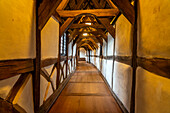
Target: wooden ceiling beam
97	12
105	22
75	26
91	40
73	34
108	26
65	26
79	3
126	9
69	21
57	16
111	4
62	5
86	47
99	31
97	39
95	33
103	3
96	4
88	44
45	10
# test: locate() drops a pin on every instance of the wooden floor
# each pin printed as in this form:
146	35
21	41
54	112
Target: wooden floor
86	92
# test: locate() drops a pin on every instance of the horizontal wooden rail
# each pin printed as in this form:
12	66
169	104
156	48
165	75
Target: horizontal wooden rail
159	66
50	101
10	68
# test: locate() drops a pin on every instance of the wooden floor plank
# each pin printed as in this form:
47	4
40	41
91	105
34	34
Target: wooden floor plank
86	92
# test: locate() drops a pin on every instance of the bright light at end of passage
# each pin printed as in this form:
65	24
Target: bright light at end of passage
84	34
88	23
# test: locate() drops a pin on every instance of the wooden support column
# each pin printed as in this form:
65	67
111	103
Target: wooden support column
134	61
76	56
37	65
101	56
72	60
67	42
113	59
89	55
58	64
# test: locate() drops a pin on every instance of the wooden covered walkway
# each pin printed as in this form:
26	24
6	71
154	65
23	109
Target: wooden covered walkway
86	92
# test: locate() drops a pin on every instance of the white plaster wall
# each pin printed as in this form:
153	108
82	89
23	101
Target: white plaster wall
50	39
153	28
6	85
64	70
98	49
82	53
104	69
49	68
152	92
109	71
17	29
123	37
74	50
92	60
50	92
104	48
122	83
110	45
98	63
43	87
70	48
53	77
25	100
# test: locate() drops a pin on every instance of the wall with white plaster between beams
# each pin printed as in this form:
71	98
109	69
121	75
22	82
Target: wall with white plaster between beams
152	90
17	32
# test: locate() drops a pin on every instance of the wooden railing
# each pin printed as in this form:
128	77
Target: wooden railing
25	68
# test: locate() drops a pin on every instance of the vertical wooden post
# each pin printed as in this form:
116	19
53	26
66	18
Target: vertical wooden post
89	56
76	56
37	65
113	60
58	63
72	60
101	56
67	41
134	61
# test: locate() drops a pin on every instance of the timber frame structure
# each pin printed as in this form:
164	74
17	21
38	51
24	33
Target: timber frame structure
74	16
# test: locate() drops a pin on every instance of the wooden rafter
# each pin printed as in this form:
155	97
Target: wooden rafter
75	26
97	40
111	4
92	42
63	4
57	16
89	43
45	10
105	22
65	26
87	40
69	21
96	33
18	85
126	8
86	44
97	12
108	26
